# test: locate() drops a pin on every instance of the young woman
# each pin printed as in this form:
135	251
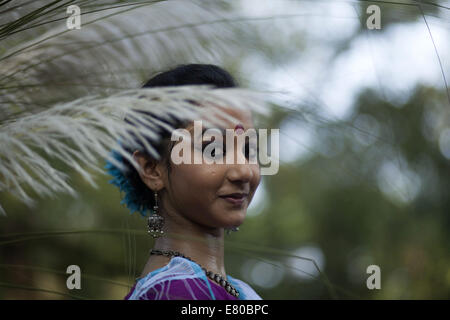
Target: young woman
197	202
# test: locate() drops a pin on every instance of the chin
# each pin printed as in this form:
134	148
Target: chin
227	217
236	220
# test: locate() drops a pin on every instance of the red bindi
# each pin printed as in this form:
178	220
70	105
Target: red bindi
239	129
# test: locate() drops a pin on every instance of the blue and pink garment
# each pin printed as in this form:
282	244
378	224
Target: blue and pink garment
183	279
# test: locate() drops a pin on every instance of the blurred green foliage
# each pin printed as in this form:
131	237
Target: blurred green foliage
375	190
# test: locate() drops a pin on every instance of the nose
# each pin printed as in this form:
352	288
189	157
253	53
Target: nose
240	171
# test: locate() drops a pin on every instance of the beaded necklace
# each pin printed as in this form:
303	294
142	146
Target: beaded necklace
213	276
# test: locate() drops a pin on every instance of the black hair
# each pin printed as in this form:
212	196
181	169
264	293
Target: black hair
186	74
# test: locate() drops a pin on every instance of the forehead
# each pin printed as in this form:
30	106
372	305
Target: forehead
241	117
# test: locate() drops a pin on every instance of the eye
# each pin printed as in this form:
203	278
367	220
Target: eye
219	148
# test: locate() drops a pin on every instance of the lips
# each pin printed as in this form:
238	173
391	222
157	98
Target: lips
235	198
236	195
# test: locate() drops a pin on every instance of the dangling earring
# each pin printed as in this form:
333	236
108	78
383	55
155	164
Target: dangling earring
155	221
234	229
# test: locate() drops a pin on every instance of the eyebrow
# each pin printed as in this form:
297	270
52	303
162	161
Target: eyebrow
223	131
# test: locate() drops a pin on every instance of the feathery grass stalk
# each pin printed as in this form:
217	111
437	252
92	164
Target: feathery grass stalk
64	273
92	124
29	288
249	249
83	13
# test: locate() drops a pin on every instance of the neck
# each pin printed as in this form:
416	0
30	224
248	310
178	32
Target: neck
204	246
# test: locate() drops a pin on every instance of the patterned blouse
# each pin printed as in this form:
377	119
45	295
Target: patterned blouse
183	279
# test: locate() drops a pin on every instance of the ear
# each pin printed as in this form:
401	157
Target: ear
151	171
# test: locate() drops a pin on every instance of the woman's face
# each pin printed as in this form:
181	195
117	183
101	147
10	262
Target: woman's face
196	191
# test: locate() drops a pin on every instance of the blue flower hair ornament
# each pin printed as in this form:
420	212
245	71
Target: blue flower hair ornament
131	199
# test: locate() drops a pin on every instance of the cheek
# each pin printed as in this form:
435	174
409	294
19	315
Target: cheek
256	179
195	184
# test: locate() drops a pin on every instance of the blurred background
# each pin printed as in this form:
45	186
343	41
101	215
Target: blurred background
364	119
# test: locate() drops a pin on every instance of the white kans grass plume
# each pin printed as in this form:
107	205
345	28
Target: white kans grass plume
79	132
115	49
64	93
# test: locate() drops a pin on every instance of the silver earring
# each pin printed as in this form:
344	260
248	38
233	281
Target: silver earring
234	229
155	221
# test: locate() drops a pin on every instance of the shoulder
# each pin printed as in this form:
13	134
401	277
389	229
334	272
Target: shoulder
180	279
